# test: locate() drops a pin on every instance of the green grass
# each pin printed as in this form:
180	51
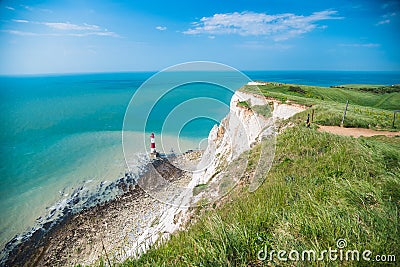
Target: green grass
199	188
243	104
264	110
321	187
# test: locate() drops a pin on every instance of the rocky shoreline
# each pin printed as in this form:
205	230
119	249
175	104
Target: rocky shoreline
109	231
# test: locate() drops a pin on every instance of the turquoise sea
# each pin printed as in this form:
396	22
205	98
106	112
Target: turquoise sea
63	132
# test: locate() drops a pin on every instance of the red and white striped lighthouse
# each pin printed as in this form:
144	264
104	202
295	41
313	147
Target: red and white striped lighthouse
152	144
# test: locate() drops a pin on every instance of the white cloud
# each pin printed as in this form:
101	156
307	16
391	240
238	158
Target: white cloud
161	28
30	8
24	33
391	5
69	26
20	21
19	33
388	4
361	45
388	15
66	28
9	8
386	21
278	26
27	7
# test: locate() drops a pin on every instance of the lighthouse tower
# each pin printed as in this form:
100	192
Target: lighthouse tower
153	152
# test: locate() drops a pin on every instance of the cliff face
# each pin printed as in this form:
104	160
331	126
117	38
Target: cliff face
242	128
237	133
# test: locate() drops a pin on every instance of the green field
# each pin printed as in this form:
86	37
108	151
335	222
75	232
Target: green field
321	188
365	110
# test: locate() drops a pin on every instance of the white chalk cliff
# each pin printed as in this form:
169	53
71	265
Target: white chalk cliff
241	129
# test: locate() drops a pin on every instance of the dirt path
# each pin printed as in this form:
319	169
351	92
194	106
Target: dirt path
355	132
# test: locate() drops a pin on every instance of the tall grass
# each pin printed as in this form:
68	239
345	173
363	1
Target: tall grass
321	188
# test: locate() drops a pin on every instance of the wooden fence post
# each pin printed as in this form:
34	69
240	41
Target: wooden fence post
394	117
344	114
312	116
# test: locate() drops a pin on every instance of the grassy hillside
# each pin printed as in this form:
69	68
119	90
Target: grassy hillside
365	110
321	188
387	101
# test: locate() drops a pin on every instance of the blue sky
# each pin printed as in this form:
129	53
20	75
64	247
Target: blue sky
108	36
